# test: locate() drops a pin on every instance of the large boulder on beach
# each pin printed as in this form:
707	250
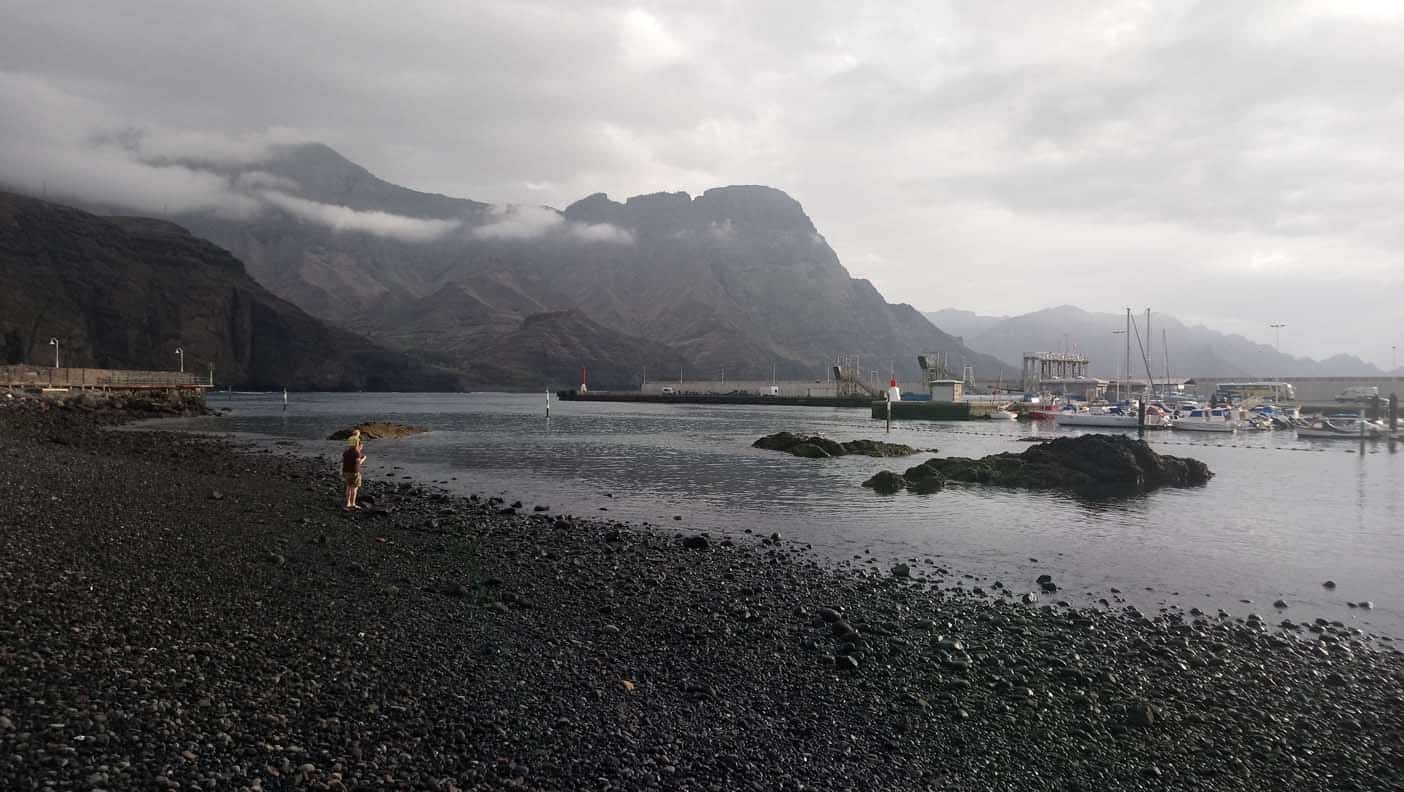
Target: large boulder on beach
817	447
378	430
1094	465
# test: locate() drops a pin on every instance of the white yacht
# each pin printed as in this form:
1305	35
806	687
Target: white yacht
1199	419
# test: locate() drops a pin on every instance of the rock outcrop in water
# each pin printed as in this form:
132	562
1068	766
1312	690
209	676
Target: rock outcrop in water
1093	465
378	430
816	447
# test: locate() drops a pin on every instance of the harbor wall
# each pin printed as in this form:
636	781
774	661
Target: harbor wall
788	388
934	410
36	378
1312	390
637	397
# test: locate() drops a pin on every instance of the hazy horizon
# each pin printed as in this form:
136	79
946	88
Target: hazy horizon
1232	165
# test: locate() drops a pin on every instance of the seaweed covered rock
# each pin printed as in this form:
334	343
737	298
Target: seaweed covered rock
816	447
886	483
924	480
1094	465
810	451
378	430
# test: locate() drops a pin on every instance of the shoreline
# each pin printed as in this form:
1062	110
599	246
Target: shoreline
210	616
1055	540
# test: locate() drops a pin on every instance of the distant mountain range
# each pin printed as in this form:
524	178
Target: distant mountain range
123	292
735	279
1194	351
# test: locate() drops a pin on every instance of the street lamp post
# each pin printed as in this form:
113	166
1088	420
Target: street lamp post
180	353
53	342
1277	334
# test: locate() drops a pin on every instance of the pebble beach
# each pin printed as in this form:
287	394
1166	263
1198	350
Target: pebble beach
185	612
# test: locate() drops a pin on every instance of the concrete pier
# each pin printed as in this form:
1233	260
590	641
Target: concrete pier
637	397
40	378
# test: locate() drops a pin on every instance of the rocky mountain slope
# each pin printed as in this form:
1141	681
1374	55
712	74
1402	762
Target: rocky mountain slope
735	278
127	292
1195	351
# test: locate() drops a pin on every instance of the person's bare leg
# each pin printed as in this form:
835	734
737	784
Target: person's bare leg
350	498
352	493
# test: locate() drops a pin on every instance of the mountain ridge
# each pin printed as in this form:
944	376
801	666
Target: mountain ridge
736	277
1195	350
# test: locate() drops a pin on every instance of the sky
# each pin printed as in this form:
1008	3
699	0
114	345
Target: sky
1235	164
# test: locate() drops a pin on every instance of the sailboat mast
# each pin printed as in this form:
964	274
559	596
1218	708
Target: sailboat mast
1128	355
1150	378
1165	350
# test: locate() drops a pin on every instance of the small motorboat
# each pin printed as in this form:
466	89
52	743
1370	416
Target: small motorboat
1341	427
1047	411
1215	419
1003	415
1277	417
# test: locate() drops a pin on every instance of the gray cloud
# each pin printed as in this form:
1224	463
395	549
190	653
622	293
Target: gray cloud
341	218
532	222
519	222
996	156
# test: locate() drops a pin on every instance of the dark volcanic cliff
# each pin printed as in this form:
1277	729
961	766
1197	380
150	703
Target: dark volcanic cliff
127	292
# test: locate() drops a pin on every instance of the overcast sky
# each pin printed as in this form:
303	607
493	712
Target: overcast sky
1234	163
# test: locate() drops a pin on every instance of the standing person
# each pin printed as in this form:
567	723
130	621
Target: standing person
351	460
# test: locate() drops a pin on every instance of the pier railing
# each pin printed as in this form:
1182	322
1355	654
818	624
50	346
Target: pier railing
41	377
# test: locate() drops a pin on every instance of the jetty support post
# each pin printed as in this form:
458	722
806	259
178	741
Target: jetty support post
1393	412
889	412
548	402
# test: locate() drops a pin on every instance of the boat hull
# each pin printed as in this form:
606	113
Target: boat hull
1111	421
1342	430
1223	427
1327	434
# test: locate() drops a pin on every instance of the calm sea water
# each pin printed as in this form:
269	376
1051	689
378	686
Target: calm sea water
1281	515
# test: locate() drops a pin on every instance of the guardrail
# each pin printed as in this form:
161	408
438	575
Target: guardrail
39	378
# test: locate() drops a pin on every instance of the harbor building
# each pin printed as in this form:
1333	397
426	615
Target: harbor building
1061	373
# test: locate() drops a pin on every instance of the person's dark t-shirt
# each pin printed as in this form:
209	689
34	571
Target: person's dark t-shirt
351	461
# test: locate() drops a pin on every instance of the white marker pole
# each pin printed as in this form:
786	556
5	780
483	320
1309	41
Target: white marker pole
548	402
